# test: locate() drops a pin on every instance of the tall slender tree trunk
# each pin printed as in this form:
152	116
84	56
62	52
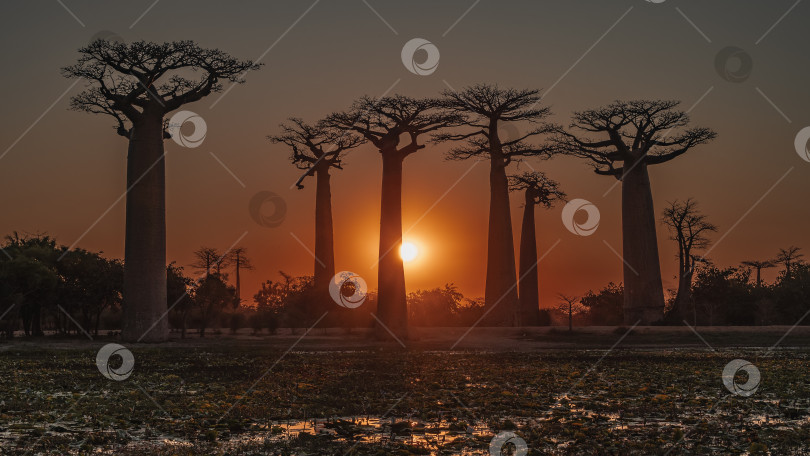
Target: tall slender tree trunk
324	235
501	289
392	307
643	291
759	277
528	292
238	301
145	241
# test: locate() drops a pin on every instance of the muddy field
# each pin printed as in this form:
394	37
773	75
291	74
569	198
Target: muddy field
240	397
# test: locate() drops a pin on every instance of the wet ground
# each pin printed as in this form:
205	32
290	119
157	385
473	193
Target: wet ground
243	398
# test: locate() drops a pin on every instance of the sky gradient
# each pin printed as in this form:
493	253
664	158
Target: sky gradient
63	171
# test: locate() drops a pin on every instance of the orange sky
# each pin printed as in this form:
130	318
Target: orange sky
69	169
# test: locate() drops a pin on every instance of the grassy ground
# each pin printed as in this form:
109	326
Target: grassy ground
332	395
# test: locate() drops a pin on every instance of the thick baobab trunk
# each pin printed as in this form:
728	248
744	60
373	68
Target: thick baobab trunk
527	289
501	289
145	242
392	308
643	291
683	298
324	236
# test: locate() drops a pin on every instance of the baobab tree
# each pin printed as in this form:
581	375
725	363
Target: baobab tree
138	84
759	266
206	259
788	257
689	228
384	122
487	109
538	190
318	149
570	305
240	261
622	140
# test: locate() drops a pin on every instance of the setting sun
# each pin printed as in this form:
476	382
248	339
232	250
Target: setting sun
408	251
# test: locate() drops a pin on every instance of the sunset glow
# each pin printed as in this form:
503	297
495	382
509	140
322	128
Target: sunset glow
408	251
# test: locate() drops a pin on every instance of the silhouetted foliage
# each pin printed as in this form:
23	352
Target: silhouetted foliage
488	111
621	140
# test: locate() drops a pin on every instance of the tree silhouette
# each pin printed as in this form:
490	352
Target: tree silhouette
789	257
382	122
206	259
689	228
138	84
622	140
571	306
318	149
488	109
238	258
759	266
538	190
